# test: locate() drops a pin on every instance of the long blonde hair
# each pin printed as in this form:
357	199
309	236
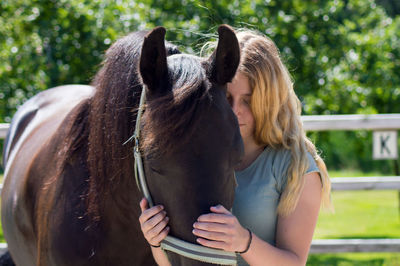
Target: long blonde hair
277	111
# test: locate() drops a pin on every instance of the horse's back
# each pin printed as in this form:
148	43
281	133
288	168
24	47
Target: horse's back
48	108
33	127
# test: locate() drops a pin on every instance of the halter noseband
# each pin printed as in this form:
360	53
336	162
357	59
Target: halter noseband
173	244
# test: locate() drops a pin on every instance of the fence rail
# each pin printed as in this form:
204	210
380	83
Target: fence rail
340	122
3	130
358	183
354	245
327	122
351	122
366	183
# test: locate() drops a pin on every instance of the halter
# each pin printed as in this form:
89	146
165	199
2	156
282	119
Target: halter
181	247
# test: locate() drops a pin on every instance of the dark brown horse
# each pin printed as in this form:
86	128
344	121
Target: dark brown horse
70	196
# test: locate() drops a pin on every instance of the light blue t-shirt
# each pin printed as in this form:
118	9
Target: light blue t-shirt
258	192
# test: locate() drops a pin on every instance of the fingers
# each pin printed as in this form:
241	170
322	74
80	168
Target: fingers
216	218
219	209
153	222
154	235
219	229
156	240
213	227
159	227
148	213
149	224
215	236
219	215
143	204
212	244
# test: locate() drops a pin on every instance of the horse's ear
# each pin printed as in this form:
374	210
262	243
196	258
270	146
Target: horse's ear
153	61
225	59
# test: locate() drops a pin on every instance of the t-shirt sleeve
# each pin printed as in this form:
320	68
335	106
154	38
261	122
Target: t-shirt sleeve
282	165
280	168
312	165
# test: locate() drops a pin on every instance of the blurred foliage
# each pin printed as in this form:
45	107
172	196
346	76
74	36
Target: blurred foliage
344	55
392	7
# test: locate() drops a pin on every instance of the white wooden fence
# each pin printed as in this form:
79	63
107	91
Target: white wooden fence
3	130
351	122
328	122
356	122
342	122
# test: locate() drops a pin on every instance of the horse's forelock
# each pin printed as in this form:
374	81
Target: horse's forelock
188	77
171	118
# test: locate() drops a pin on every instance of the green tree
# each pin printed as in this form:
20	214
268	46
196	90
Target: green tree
344	55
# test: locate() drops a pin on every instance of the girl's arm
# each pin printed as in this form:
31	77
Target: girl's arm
221	229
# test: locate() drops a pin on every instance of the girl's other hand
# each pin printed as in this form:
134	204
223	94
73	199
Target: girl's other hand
153	223
221	229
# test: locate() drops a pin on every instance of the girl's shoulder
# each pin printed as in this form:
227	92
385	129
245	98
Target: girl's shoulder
279	161
279	158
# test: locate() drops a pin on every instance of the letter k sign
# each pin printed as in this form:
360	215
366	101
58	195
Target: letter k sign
385	145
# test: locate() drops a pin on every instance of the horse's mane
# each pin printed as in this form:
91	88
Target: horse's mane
113	111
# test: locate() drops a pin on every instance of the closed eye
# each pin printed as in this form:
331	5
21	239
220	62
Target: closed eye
157	171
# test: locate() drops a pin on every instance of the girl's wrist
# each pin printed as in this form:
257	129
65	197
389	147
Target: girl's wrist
250	238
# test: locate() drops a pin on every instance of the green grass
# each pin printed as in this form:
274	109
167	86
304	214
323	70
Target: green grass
361	214
351	173
355	259
358	214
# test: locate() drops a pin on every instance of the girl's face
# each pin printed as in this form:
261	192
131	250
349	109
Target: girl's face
239	96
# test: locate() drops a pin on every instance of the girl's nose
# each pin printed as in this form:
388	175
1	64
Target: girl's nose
236	109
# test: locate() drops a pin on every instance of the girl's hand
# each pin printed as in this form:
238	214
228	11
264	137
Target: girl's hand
153	223
220	229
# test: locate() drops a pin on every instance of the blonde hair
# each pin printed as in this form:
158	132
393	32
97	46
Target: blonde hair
276	110
277	113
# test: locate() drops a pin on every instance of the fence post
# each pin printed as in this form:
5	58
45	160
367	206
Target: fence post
397	173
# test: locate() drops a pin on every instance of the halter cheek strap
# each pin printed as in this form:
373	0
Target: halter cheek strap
170	243
139	172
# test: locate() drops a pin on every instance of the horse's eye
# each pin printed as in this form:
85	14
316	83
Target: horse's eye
157	171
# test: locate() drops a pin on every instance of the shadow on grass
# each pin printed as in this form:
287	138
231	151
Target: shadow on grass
361	237
341	260
355	259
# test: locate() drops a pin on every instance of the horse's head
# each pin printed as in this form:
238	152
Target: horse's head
190	136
